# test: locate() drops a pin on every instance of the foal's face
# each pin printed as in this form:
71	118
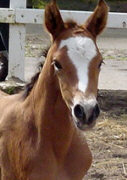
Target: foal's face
76	60
77	64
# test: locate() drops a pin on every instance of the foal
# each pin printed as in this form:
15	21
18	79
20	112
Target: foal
40	136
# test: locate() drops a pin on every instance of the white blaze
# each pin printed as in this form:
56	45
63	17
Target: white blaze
81	50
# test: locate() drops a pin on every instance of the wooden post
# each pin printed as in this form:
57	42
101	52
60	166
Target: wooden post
17	44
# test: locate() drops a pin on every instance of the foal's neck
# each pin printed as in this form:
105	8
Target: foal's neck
51	113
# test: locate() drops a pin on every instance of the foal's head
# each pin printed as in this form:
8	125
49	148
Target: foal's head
77	61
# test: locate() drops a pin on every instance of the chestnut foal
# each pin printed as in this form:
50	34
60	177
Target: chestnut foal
40	136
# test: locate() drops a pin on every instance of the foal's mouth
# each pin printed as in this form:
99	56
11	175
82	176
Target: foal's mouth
85	126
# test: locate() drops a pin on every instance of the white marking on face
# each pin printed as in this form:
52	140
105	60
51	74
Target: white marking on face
81	50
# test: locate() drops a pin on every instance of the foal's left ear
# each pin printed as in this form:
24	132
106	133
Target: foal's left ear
98	20
53	20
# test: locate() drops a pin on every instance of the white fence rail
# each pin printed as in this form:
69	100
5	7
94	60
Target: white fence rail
17	16
35	16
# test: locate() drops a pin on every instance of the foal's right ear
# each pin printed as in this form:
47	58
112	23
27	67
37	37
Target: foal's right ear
53	20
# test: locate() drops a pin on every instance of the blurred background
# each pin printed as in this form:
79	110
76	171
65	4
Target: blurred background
88	5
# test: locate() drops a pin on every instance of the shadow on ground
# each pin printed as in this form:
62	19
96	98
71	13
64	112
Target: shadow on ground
113	102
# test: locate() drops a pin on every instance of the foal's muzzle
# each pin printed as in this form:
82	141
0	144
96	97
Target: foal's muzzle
86	115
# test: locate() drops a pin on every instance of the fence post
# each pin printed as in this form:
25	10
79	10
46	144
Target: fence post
16	44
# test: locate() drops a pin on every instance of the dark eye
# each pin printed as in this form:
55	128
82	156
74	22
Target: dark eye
57	65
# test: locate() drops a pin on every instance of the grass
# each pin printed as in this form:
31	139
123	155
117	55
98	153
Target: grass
114	54
10	90
109	57
121	58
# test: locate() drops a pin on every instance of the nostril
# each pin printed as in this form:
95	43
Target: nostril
94	115
79	112
97	110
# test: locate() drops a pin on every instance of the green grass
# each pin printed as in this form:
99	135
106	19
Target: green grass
10	90
122	58
109	57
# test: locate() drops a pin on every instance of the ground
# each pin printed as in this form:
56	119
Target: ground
108	142
108	139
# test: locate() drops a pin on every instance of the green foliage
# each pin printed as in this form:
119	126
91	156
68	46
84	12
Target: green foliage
89	5
10	90
38	4
64	4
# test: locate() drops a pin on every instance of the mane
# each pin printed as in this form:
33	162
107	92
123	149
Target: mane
70	23
29	86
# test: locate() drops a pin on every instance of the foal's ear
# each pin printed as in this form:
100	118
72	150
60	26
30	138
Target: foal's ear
98	20
53	20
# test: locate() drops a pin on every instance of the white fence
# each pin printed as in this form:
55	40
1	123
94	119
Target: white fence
17	16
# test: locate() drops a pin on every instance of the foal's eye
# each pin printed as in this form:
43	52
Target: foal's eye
57	65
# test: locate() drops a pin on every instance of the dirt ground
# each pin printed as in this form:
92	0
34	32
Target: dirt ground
108	142
108	139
